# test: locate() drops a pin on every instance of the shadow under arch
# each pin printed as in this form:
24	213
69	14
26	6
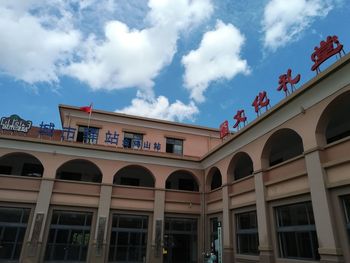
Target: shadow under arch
22	164
241	165
214	179
134	175
79	170
282	145
334	122
182	180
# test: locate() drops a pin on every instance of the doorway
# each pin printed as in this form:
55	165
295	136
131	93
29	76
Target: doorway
180	240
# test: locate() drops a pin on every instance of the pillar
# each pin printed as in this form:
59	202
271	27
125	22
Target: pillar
324	222
265	245
227	253
34	244
156	255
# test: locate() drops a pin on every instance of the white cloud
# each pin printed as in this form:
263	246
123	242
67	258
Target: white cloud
284	20
218	57
30	51
160	108
133	58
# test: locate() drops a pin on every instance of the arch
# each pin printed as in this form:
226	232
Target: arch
134	175
282	145
241	166
182	180
22	164
79	170
214	179
334	123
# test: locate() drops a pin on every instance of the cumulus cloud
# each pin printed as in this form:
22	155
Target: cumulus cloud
284	20
160	108
129	57
29	50
218	57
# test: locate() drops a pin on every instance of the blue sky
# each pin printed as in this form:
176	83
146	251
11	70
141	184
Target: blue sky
192	61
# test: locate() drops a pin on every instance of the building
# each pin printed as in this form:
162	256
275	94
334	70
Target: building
122	188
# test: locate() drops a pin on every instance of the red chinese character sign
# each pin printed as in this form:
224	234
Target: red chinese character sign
327	49
240	118
261	101
287	79
224	130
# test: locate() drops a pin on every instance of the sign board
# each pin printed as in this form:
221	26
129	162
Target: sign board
219	243
15	123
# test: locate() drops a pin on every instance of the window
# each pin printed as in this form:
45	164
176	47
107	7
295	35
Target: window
13	224
4	169
132	140
87	134
32	169
128	241
346	203
130	181
174	146
296	232
69	236
247	233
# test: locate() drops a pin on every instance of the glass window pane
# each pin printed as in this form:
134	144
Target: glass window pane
69	236
11	236
296	231
128	238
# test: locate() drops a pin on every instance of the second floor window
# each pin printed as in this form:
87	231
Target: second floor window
174	146
132	140
87	134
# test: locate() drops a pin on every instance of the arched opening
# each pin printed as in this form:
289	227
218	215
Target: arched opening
79	170
182	180
240	166
21	164
334	123
134	175
283	145
214	178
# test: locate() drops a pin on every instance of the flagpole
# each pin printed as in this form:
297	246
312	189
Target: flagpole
90	116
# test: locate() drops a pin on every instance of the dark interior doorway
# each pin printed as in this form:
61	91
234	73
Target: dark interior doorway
180	240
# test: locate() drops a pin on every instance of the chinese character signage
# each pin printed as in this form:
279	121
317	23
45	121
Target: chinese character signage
15	123
261	101
224	130
287	79
327	49
239	117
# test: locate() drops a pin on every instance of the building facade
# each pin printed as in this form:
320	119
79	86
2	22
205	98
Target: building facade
116	188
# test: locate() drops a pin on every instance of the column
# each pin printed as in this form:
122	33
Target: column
265	246
100	250
156	255
327	240
227	253
34	245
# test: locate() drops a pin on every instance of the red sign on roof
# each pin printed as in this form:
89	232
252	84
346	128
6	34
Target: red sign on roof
224	130
327	49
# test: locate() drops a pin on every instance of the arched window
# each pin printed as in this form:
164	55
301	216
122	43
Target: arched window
240	166
334	123
214	178
22	164
182	180
135	176
283	145
79	170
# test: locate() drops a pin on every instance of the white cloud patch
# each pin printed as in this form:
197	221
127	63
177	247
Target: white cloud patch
218	57
160	108
284	20
130	57
30	51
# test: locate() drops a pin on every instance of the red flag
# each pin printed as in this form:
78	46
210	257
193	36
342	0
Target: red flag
87	109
